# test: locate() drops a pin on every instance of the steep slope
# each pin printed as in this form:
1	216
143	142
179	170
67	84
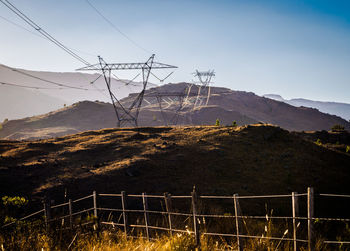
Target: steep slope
335	108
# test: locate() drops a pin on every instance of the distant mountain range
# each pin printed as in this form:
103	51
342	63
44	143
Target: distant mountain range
19	102
224	104
335	108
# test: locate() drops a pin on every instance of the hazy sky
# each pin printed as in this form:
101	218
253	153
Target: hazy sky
292	48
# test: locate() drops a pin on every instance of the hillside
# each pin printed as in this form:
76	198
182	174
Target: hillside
258	159
224	104
335	108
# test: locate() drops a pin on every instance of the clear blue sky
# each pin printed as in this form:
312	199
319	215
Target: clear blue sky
290	47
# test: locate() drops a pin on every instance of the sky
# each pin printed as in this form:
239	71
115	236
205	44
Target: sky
298	49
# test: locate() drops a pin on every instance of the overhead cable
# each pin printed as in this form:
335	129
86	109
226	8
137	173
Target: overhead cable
42	31
116	28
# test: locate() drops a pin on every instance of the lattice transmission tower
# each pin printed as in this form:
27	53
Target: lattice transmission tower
127	114
204	81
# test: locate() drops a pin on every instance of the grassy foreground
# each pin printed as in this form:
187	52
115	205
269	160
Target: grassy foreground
111	240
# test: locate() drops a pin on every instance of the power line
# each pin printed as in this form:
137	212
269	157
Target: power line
42	31
59	44
36	34
42	79
31	87
116	28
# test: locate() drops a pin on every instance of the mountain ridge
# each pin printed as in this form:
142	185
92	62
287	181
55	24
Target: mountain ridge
224	104
335	108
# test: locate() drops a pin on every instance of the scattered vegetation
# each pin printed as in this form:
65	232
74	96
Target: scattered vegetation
15	201
10	207
318	142
338	128
217	122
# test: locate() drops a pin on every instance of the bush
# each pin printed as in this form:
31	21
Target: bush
318	142
234	123
338	128
217	122
347	149
15	201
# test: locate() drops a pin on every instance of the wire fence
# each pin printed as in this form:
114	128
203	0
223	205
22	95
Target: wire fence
164	220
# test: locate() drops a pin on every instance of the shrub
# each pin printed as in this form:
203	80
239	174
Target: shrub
347	149
338	128
234	123
318	142
217	122
15	201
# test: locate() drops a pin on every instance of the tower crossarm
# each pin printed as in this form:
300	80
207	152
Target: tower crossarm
127	66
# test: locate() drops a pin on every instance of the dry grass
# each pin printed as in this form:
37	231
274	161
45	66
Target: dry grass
107	240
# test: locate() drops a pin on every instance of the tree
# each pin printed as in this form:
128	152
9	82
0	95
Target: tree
234	123
217	122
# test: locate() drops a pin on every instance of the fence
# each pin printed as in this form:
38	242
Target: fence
169	213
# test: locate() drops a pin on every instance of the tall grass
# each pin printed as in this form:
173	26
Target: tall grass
33	236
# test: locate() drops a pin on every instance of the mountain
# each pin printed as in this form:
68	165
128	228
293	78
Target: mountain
224	104
335	108
18	102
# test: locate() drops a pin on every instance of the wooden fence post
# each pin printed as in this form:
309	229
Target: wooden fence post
145	210
295	211
94	196
168	207
47	213
70	214
238	220
310	216
195	225
125	214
